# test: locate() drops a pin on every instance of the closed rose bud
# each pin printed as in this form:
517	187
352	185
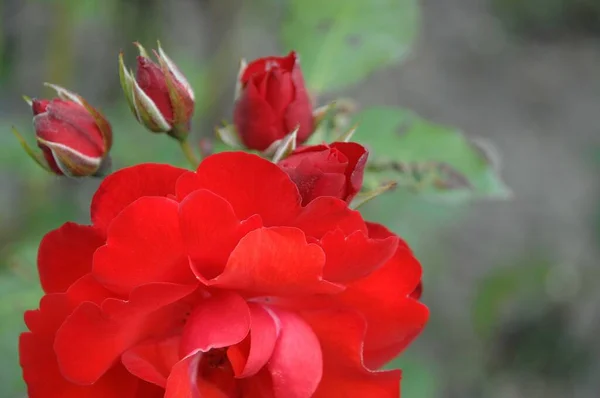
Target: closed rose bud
271	102
159	95
327	170
74	137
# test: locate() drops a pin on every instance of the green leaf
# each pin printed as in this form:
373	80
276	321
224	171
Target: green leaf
433	160
340	42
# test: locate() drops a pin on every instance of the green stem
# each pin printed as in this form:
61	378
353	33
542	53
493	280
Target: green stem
189	153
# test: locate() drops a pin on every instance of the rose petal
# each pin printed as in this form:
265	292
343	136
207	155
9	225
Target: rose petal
92	338
249	356
87	288
125	186
280	91
53	310
275	261
299	112
354	256
297	364
44	380
55	307
393	318
151	80
258	386
219	321
143	245
149	390
262	65
210	231
378	231
251	184
341	335
65	255
153	360
357	159
325	214
77	131
184	381
256	122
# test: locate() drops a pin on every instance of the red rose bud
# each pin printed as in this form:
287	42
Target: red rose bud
272	102
74	137
159	96
327	170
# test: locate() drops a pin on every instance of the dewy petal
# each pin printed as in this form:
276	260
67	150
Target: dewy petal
341	335
65	255
325	214
354	256
275	261
249	356
251	184
153	360
143	245
393	318
92	338
297	363
218	321
125	186
210	231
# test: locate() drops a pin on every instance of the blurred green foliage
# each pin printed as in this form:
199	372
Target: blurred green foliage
549	18
354	38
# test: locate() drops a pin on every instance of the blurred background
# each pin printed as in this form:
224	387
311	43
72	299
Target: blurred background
511	284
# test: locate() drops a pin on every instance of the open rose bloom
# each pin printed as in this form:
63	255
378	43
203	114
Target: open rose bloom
220	283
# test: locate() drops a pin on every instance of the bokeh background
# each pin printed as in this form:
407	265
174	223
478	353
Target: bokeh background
512	284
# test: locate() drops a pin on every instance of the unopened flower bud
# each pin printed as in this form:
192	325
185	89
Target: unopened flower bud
272	102
159	95
74	137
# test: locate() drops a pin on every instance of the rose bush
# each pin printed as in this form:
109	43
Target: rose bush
219	283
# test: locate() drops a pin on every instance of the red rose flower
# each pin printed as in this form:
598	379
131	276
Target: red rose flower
74	137
160	96
327	170
272	102
219	283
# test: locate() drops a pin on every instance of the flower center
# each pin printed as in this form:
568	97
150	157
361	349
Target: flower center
215	370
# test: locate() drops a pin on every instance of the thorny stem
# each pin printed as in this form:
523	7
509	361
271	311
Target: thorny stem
189	153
